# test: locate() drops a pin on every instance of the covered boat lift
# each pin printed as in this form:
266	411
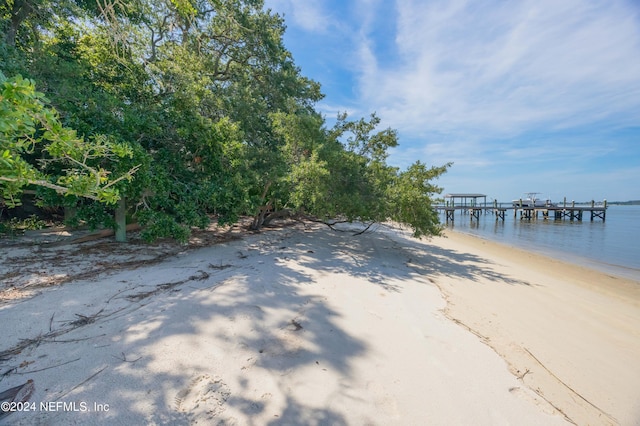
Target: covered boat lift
460	200
465	202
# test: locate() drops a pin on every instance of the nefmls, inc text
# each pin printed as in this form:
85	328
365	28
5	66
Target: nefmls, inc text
79	406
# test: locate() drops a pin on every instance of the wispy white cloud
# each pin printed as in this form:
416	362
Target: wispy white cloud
330	110
506	67
311	16
500	88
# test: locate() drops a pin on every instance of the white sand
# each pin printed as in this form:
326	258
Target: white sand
575	330
319	327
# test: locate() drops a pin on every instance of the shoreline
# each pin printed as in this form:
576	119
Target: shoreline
599	245
619	271
569	331
580	270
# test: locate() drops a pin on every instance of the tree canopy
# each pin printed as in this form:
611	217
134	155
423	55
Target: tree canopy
185	110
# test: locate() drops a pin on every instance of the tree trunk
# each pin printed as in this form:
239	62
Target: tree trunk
278	214
259	218
70	213
19	12
121	221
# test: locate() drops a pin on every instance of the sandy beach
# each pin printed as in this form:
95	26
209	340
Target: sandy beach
306	325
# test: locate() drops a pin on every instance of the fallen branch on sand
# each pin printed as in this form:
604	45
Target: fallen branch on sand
167	286
84	320
48	368
332	225
80	384
26	343
103	233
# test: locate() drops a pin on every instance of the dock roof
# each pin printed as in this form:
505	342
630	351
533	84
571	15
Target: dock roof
465	195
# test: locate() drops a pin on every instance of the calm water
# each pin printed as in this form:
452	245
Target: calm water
612	246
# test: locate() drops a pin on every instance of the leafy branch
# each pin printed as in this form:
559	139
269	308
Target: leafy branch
26	122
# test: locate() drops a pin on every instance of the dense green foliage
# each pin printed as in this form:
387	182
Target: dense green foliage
26	124
186	109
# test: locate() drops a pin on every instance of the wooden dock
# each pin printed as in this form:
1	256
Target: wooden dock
555	212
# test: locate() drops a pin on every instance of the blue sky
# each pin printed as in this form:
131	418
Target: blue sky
523	96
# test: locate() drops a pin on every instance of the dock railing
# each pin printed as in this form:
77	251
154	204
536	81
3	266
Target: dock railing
572	211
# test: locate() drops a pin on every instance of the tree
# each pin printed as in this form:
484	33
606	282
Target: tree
342	174
29	126
411	198
207	106
364	187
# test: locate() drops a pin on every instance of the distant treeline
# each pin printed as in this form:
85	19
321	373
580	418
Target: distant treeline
626	203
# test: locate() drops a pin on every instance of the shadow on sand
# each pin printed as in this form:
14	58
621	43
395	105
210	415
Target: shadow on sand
154	350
